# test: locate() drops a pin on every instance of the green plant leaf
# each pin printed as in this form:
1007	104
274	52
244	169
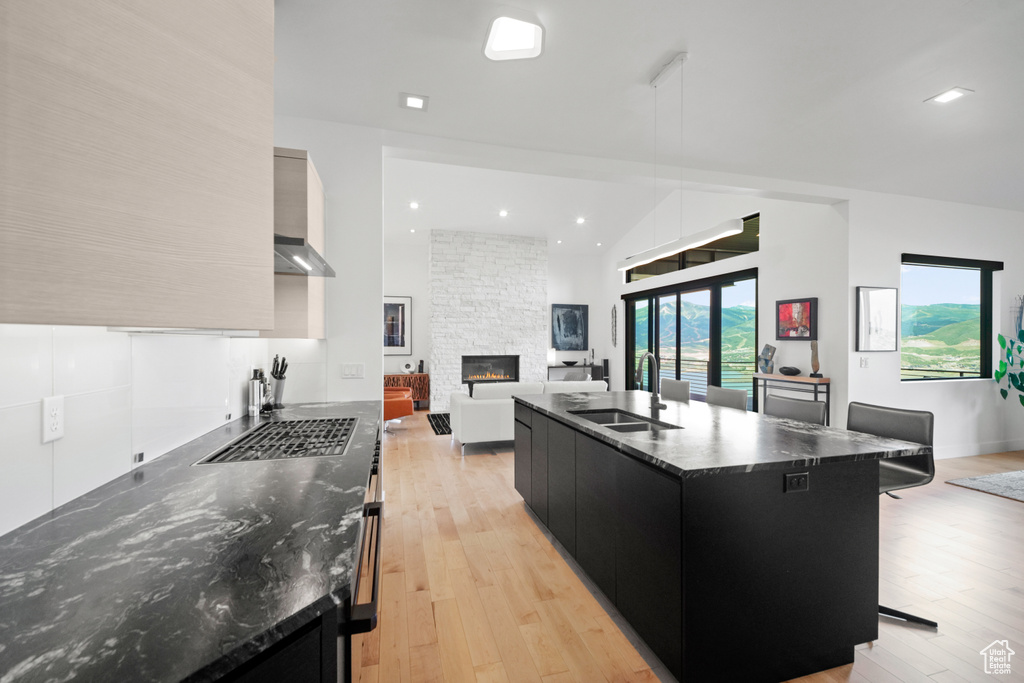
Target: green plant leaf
998	376
1020	335
1002	341
1021	397
1002	367
1015	381
1004	393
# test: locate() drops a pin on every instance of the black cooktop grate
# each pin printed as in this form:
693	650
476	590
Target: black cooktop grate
291	439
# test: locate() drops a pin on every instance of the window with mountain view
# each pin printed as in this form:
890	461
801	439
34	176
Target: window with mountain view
945	318
703	332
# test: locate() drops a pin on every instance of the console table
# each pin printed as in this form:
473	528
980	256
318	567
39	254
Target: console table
419	382
594	371
806	385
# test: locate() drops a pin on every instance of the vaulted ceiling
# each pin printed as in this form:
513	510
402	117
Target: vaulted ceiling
825	91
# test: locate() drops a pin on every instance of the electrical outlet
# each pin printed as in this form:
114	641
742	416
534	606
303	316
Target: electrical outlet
53	418
863	361
796	481
137	458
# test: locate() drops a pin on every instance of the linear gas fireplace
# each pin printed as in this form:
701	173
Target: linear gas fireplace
476	369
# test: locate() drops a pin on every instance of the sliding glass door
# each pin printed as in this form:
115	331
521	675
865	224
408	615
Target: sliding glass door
703	331
695	340
739	335
639	322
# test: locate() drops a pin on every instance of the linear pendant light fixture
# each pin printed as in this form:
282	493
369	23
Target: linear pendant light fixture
725	229
733	226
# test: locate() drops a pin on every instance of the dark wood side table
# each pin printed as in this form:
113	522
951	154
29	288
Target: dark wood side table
806	385
419	382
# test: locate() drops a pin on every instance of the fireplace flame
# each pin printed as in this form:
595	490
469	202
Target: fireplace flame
489	375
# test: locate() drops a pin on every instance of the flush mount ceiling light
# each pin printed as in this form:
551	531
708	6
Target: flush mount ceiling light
727	229
409	101
949	95
513	39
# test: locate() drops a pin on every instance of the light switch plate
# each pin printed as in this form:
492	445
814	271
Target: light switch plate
352	371
53	418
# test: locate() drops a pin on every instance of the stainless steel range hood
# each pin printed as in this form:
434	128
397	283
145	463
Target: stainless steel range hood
294	255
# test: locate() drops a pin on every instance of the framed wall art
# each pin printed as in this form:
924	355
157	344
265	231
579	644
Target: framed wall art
877	318
398	326
796	319
569	327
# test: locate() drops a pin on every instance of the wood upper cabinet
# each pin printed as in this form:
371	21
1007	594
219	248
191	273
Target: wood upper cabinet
136	172
299	211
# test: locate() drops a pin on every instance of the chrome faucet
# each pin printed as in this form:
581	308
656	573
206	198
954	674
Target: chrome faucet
655	404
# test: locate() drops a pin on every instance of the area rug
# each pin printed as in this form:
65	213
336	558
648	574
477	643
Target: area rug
1006	484
440	423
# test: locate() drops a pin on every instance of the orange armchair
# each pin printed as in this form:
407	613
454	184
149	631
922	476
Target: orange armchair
397	403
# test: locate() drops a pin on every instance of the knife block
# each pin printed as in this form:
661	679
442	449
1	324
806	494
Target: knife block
278	394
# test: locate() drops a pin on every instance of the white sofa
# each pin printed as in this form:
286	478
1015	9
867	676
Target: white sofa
489	415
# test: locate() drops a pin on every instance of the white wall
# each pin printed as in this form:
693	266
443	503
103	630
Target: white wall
349	161
970	415
407	273
123	394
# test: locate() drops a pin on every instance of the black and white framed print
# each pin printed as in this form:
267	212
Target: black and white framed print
398	326
877	321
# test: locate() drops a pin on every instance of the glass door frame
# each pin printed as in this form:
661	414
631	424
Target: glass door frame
714	285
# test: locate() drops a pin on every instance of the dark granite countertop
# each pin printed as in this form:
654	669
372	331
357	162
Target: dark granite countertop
716	440
174	572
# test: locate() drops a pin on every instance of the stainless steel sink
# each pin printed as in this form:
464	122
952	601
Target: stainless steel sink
605	417
621	421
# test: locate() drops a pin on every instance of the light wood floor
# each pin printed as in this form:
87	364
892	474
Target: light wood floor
474	590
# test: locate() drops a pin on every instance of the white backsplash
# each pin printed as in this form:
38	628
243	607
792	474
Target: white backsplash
123	394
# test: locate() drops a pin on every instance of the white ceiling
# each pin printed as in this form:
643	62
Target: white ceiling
469	199
824	91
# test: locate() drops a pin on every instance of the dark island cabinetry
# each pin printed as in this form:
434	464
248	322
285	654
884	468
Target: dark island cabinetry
724	573
618	517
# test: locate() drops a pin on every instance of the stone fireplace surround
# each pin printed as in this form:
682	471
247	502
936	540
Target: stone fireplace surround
488	296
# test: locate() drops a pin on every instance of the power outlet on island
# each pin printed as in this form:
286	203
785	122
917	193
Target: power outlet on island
53	418
796	481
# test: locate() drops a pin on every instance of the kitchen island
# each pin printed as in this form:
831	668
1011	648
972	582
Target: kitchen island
740	547
179	571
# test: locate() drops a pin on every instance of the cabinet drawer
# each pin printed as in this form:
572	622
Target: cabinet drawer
524	415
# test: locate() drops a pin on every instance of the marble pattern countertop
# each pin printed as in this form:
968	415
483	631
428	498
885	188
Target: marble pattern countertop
175	572
713	439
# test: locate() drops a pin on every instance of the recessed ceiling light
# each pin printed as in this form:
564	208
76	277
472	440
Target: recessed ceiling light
598	244
581	220
409	101
559	241
513	39
412	229
949	95
414	205
503	213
